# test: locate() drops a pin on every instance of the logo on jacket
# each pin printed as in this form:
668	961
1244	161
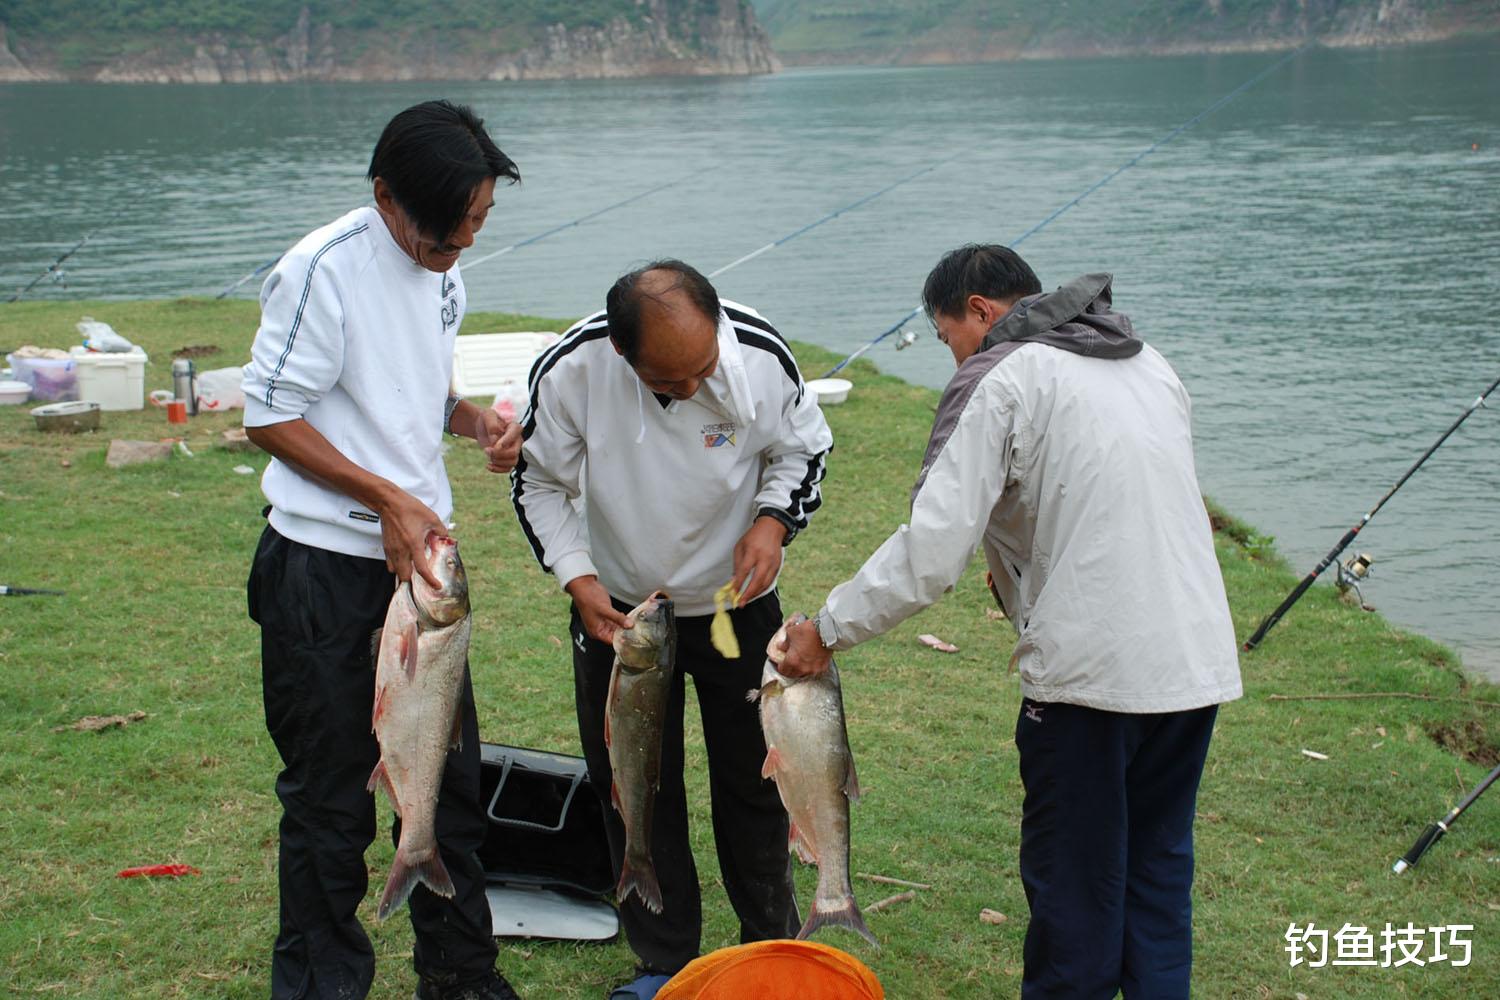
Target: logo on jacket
718	435
450	302
1033	711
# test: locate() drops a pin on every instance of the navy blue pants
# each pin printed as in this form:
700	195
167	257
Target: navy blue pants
316	610
1107	849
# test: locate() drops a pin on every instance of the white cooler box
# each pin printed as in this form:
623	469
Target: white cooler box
116	381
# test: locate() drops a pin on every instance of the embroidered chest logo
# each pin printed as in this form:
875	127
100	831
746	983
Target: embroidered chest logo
450	303
718	435
1034	711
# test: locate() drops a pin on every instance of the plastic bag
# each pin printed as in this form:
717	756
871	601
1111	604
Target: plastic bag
511	401
99	336
219	389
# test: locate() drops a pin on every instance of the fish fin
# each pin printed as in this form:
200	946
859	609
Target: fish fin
797	841
381	778
614	797
641	881
845	914
772	764
456	741
409	650
404	878
379	701
851	783
753	695
375	644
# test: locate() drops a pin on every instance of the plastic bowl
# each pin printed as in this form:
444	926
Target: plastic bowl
830	391
67	418
12	391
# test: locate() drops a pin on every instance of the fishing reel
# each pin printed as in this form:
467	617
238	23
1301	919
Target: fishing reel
906	339
1350	572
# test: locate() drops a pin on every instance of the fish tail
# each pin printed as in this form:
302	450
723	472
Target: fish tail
641	880
841	914
404	877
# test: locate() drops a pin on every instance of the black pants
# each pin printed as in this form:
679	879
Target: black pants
317	610
750	824
1107	849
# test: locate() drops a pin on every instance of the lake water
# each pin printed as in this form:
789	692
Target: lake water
1317	257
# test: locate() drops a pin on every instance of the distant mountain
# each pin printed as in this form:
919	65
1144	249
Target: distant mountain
942	31
212	41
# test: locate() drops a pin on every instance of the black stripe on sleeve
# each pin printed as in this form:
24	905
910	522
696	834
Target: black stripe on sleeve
584	332
291	335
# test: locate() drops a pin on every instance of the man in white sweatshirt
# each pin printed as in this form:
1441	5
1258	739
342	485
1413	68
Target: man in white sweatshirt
683	425
347	388
1063	445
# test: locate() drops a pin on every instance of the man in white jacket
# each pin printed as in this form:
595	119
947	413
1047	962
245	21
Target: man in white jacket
683	426
347	388
1063	445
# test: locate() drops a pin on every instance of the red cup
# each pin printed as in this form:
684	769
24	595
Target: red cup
177	411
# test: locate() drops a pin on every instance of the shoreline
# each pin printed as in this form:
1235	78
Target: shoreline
154	558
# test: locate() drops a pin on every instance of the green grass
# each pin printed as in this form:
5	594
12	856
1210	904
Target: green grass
153	560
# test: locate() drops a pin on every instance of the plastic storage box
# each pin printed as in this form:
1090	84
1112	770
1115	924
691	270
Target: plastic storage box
116	381
51	379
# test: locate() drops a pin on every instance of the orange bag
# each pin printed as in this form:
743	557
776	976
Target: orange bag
775	970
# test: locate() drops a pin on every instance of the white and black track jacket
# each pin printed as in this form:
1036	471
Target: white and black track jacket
667	486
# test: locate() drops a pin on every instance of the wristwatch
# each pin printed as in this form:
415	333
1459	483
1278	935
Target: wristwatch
786	522
827	634
448	409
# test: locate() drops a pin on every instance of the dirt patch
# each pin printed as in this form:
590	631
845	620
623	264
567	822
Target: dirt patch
195	351
1469	740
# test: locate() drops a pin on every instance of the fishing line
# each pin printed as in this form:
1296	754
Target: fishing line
1307	581
1137	158
829	217
469	266
52	269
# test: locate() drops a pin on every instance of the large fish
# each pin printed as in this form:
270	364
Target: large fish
645	659
807	752
419	678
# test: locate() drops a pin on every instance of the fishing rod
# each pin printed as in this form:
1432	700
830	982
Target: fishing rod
1435	832
52	268
1307	581
1236	92
830	216
26	591
259	270
582	219
514	246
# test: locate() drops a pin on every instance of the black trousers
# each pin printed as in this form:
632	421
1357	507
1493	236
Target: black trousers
1107	849
750	824
317	610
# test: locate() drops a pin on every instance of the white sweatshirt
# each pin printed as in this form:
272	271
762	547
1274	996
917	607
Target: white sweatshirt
669	486
357	339
1076	475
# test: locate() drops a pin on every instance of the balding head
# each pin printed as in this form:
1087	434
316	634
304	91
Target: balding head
663	319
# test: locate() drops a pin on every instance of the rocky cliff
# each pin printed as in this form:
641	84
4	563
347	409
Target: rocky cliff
641	38
915	32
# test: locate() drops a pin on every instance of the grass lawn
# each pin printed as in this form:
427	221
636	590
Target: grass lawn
154	558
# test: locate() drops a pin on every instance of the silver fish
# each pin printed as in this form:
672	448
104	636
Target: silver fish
807	752
645	659
419	674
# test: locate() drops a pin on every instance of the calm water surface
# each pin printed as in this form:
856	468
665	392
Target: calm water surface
1317	258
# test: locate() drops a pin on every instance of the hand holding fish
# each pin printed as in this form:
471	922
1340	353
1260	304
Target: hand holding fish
757	559
802	653
600	619
405	524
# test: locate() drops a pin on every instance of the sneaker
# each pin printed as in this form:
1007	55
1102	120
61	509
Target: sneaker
490	987
643	987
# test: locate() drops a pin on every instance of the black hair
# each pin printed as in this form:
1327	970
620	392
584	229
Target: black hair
987	269
432	156
623	303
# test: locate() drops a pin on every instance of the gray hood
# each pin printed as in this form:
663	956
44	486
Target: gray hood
1075	318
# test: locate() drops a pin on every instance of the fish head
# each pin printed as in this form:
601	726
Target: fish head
772	680
449	603
649	639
